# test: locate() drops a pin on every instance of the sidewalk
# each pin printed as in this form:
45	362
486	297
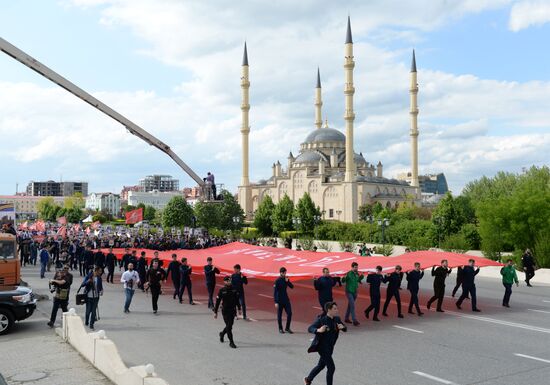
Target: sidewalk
34	354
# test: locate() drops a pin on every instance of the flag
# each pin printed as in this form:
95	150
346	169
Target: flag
62	231
76	228
134	216
62	220
40	225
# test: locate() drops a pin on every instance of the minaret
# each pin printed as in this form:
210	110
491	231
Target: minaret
245	192
349	115
318	101
414	123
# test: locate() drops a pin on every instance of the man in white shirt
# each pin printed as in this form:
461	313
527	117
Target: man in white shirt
130	279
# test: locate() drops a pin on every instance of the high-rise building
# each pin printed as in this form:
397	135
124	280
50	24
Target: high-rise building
157	199
429	184
160	183
107	202
56	189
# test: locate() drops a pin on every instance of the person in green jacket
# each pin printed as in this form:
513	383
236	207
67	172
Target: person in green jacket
509	276
352	280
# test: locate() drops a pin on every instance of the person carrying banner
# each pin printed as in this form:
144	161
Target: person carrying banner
110	263
210	272
413	285
468	285
374	281
352	280
392	291
282	301
173	272
185	281
440	273
155	275
238	280
228	297
324	285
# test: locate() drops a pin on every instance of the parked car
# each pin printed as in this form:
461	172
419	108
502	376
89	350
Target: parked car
16	304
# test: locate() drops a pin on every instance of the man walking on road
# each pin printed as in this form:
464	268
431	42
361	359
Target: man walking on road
210	272
238	280
374	280
394	282
440	273
282	301
529	266
173	272
110	263
324	286
509	276
155	275
326	329
61	282
413	280
228	297
185	281
352	280
468	285
130	279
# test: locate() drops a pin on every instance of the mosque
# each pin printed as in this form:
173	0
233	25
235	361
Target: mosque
338	179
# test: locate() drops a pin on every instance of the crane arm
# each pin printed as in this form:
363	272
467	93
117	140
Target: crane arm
133	128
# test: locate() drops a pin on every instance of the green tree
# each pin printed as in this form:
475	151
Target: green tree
177	213
74	201
306	212
126	208
282	215
74	214
229	210
47	209
99	217
207	214
149	213
365	211
263	220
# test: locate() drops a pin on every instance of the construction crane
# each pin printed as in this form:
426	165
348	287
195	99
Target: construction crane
132	128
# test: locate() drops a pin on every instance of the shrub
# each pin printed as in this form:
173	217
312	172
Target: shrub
455	242
385	250
346	246
324	246
306	243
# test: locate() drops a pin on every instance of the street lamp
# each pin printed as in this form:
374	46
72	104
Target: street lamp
383	223
297	222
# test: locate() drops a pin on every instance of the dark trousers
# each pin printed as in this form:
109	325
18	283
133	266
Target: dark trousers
457	286
110	273
81	268
325	360
389	295
229	319
414	301
322	302
155	292
183	286
529	274
374	305
439	293
285	305
507	293
243	303
176	283
91	311
468	290
58	303
210	287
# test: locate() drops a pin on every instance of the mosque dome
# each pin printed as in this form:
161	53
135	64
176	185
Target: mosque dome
310	157
325	135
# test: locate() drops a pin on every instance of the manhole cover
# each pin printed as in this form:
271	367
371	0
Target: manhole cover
29	376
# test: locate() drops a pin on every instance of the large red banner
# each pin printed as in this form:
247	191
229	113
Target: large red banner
264	262
134	216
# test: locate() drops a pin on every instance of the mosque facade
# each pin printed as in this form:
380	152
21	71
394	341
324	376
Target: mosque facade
338	179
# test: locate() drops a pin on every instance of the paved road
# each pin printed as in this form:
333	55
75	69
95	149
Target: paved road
497	346
34	354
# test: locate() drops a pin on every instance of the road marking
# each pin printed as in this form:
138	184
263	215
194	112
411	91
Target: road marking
532	358
265	295
499	322
252	319
408	329
539	311
433	378
317	307
198	303
545	301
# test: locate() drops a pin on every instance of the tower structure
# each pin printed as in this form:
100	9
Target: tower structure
245	192
349	114
414	123
318	101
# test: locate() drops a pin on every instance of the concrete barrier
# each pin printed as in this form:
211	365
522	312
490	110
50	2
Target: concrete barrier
103	354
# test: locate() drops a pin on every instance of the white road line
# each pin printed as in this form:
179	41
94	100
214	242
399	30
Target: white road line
265	295
433	378
252	319
539	311
408	329
317	307
532	358
545	301
500	322
198	303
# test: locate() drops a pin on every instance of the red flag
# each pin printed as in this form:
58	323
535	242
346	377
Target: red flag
62	220
32	227
40	225
134	216
76	228
24	226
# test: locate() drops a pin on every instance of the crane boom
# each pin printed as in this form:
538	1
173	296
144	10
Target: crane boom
133	128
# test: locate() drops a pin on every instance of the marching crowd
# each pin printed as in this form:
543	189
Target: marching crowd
139	273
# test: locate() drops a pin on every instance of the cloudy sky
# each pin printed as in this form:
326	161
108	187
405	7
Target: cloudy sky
173	67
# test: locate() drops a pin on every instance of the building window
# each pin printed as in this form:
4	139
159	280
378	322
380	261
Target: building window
331	213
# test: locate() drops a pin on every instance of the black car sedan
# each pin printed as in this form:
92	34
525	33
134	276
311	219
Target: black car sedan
16	303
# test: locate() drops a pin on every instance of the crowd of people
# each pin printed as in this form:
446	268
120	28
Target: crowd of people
86	256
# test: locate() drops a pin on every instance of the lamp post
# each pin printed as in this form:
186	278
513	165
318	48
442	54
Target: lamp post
236	221
316	221
383	223
297	222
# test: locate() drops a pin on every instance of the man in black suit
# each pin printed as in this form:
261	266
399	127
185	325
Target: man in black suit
440	273
326	329
468	285
394	282
413	280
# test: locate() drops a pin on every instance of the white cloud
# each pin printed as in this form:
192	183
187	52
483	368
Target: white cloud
469	126
525	14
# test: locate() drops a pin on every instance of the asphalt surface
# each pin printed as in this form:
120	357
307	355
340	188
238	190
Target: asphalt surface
496	346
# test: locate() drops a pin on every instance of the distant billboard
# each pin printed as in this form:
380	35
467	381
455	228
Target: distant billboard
7	214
